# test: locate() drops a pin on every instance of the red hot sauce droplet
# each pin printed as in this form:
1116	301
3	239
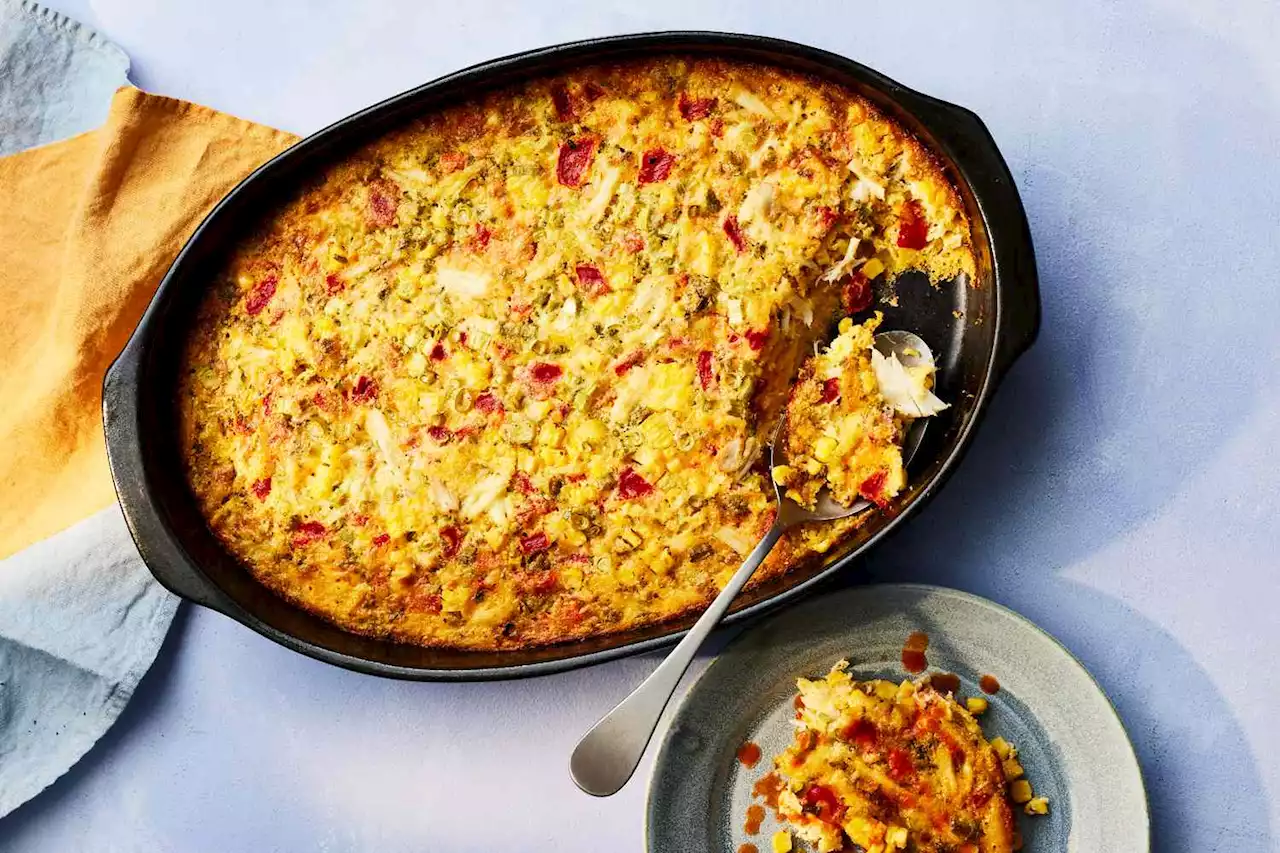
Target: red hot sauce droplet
913	659
944	682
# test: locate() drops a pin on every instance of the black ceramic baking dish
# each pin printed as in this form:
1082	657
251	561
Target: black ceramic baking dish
976	330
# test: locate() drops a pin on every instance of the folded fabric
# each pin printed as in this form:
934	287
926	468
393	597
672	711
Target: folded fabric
81	621
56	76
90	226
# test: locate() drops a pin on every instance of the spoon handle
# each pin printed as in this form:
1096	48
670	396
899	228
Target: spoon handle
608	754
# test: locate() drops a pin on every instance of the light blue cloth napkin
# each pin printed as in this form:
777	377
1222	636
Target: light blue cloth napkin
56	76
81	618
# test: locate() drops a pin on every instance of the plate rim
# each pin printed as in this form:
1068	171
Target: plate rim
682	708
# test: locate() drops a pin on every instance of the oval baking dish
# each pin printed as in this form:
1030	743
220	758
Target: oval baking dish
977	330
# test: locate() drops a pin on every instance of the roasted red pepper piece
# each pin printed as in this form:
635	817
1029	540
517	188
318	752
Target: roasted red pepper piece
629	362
756	339
734	233
900	765
380	540
913	228
591	280
438	353
855	293
632	485
830	390
574	160
655	166
535	543
308	531
262	488
364	391
439	434
333	284
706	375
872	488
488	403
260	295
693	109
382	205
562	101
546	373
823	801
450	540
480	239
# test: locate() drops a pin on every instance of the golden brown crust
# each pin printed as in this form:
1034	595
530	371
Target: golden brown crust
501	378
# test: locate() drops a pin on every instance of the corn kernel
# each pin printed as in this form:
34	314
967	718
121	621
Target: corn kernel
976	705
861	829
1020	791
886	689
416	364
1001	746
824	447
1012	768
1037	805
896	837
782	841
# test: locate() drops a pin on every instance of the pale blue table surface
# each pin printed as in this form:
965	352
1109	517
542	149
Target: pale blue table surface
1122	492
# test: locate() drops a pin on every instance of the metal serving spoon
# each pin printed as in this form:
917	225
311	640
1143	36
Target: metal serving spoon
607	756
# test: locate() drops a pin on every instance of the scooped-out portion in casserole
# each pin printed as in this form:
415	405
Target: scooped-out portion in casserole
846	419
502	377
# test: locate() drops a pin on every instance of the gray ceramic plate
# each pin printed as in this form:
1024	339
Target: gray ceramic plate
1071	742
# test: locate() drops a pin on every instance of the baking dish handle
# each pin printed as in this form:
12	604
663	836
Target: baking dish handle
157	544
966	138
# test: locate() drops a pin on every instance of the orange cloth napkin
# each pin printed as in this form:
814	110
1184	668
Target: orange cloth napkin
88	229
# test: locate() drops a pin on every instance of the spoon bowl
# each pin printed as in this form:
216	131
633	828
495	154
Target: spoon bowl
911	351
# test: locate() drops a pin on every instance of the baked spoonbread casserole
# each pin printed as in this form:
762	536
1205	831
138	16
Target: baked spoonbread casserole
502	377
